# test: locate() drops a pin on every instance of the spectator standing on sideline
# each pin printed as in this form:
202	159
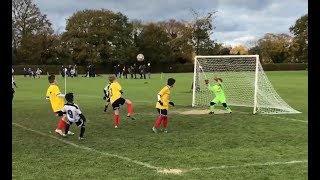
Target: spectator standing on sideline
148	70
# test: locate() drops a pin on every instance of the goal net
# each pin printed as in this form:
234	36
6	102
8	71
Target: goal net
244	82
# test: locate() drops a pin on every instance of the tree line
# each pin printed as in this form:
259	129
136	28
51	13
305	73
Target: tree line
102	36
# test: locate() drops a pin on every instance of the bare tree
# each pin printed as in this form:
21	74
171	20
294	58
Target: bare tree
27	19
202	30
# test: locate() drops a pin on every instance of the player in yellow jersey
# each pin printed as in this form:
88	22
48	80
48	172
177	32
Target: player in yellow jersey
57	103
163	106
115	92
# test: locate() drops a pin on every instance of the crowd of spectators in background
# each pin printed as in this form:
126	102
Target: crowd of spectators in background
69	71
32	73
132	71
121	71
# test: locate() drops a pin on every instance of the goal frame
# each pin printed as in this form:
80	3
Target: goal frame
228	56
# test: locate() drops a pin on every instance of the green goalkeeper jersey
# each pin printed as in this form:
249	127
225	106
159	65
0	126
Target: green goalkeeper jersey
217	90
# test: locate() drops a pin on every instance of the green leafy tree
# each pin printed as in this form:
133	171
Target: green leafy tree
137	27
95	36
38	49
155	44
180	34
215	48
254	50
299	48
225	51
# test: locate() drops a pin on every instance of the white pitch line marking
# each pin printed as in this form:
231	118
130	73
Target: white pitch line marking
91	149
160	169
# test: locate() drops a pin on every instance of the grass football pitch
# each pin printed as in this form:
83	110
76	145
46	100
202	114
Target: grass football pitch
221	146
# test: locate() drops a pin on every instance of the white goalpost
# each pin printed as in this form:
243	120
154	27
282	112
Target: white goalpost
244	81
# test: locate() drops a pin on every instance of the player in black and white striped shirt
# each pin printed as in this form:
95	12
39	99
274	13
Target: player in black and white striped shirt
106	96
74	114
14	85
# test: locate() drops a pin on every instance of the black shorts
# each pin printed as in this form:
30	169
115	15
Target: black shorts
79	123
59	113
117	103
162	111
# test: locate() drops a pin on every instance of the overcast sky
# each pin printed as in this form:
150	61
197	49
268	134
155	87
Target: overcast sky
236	21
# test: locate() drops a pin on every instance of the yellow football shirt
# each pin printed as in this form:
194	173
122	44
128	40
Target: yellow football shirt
164	97
114	91
57	103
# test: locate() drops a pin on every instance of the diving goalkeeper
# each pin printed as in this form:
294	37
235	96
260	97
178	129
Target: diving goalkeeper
218	92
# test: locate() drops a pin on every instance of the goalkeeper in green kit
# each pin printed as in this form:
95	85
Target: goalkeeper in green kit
218	91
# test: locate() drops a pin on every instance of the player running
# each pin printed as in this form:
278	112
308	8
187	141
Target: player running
163	106
218	91
115	91
74	114
57	103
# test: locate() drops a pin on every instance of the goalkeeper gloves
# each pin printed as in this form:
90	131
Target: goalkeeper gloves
171	103
160	103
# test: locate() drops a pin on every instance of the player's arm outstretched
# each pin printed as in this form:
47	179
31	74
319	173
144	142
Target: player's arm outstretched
211	88
59	94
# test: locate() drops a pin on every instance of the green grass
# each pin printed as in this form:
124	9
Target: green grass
235	146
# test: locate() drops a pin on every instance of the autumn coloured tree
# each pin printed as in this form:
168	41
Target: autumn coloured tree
275	48
239	50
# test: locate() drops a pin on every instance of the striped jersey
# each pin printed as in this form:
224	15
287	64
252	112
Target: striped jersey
107	89
13	81
73	111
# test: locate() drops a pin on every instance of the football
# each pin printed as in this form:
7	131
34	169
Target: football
140	57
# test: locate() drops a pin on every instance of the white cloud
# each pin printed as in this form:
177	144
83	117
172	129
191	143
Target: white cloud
237	21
